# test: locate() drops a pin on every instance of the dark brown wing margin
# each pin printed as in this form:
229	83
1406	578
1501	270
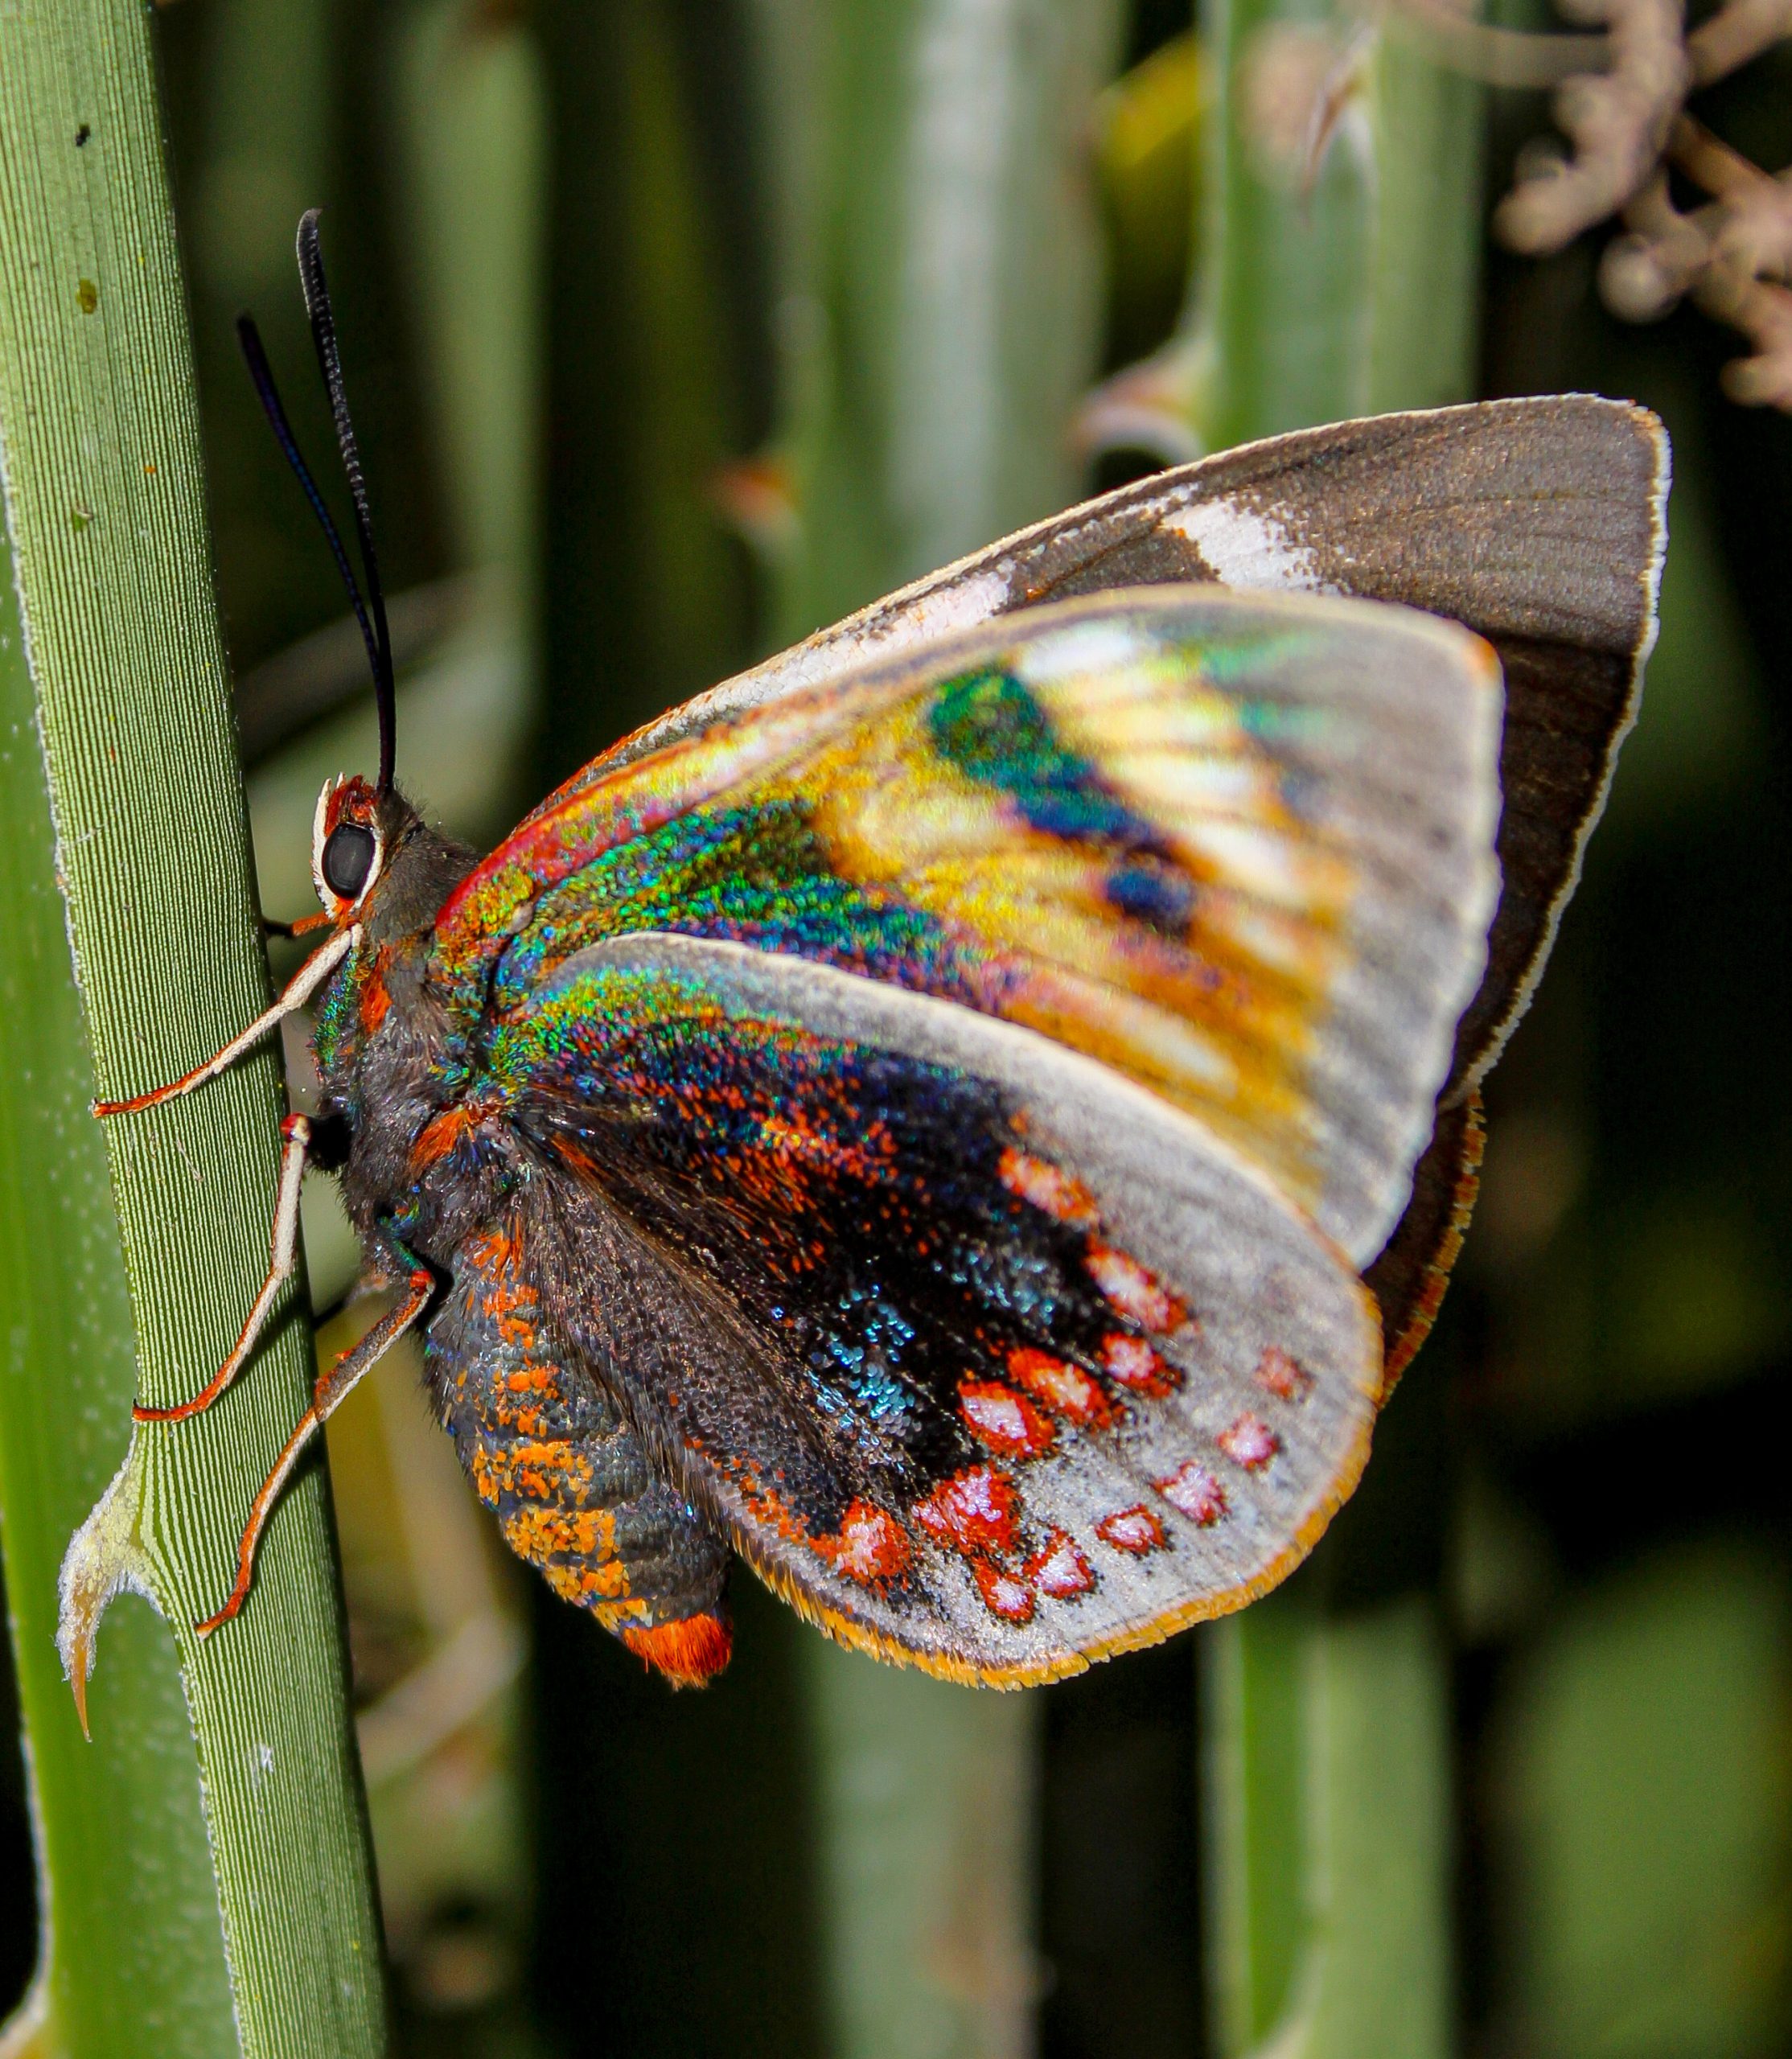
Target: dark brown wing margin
1409	1278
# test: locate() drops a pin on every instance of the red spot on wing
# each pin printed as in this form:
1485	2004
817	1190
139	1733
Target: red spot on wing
1132	1289
1006	1421
1193	1492
1059	1569
973	1512
689	1652
1135	1530
1065	1389
1249	1442
1003	1594
1048	1187
1285	1377
870	1546
1133	1364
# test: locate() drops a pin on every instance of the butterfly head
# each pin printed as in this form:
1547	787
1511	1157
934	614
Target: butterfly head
375	863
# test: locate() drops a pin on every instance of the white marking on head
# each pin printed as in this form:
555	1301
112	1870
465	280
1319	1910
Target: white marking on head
325	896
345	802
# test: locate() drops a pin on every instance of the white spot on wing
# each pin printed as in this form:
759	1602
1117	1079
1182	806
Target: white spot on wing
1245	548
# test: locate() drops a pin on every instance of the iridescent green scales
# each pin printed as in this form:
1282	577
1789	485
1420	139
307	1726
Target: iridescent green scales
761	876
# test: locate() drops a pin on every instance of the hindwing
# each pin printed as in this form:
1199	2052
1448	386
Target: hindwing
984	1356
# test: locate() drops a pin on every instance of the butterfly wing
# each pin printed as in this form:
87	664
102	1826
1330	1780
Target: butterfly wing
957	1070
984	1356
1540	524
1237	849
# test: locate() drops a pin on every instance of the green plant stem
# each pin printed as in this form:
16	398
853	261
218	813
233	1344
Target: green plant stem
942	301
1328	291
105	505
131	1958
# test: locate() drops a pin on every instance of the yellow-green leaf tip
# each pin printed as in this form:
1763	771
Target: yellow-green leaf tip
105	1555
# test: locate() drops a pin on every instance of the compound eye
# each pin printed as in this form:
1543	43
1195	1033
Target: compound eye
347	859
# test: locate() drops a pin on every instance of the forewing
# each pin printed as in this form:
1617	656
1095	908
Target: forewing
1238	849
986	1357
1538	523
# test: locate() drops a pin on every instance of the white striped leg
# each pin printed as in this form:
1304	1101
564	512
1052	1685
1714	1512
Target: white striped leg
299	990
282	1260
333	1388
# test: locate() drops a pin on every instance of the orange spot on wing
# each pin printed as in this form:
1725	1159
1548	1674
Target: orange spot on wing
1132	1362
1003	1594
690	1652
1059	1569
765	1505
1132	1290
1065	1389
871	1545
1135	1530
1006	1421
973	1512
1048	1187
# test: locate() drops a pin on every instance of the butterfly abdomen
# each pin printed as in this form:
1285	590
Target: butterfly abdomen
548	1451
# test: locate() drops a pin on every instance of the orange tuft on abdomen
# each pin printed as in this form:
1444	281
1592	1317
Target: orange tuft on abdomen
690	1652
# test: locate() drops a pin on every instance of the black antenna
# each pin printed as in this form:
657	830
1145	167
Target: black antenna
262	373
323	334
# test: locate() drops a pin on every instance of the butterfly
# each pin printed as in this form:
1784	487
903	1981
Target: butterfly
971	1117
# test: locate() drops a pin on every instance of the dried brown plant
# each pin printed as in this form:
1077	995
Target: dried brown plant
1621	102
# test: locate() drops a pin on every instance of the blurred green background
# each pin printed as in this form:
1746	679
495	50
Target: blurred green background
677	330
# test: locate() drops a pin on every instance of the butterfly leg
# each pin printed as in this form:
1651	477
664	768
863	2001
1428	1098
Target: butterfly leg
549	1452
299	990
299	1137
332	1389
302	927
